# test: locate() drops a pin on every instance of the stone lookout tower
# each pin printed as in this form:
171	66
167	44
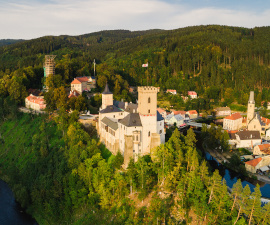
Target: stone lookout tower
49	65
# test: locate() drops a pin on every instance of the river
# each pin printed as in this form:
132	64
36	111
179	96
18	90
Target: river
10	211
231	177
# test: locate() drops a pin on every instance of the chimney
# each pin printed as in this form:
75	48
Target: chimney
126	105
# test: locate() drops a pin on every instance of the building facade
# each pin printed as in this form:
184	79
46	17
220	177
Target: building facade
134	129
35	102
81	84
232	122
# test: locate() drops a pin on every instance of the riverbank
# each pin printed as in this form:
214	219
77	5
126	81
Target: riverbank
222	160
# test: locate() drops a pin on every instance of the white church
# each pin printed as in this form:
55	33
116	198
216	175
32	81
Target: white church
132	129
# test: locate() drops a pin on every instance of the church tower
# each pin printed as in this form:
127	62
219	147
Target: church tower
107	97
251	107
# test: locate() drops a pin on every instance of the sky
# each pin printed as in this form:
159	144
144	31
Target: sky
28	19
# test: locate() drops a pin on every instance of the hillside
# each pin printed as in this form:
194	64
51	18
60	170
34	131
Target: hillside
218	62
9	41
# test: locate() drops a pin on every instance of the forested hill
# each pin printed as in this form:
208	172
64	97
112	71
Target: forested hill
216	61
9	41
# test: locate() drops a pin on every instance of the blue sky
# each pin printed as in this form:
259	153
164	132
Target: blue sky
29	19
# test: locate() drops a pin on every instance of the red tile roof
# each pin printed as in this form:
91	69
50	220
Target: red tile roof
254	162
79	80
192	93
265	148
35	99
234	116
179	112
192	112
160	110
73	93
265	120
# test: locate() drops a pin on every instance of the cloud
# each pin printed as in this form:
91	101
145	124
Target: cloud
31	19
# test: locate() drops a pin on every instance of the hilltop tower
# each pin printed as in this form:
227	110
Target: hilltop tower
107	97
49	65
49	68
251	107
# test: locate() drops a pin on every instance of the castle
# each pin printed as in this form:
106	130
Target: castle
132	129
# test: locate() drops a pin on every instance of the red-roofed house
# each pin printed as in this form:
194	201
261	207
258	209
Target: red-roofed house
232	122
35	102
263	149
193	114
73	93
81	84
162	112
255	164
182	113
171	91
192	94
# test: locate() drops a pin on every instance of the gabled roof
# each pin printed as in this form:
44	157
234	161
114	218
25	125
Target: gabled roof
132	120
119	104
110	123
254	162
106	90
131	108
110	109
192	112
178	117
265	148
79	80
223	109
179	112
192	93
168	117
249	135
234	116
265	120
160	110
159	117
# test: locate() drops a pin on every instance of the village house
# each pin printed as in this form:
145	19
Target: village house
247	139
223	111
192	94
81	84
73	94
134	129
193	114
162	112
177	120
263	149
261	163
171	91
35	102
232	122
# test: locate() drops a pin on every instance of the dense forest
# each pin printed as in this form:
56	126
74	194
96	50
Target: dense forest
220	63
61	173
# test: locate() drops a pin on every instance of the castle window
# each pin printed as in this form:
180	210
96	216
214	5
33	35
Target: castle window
149	100
136	137
148	110
149	134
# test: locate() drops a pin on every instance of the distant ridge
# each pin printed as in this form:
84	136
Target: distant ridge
4	42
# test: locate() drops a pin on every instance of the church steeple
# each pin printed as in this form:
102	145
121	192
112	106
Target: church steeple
251	107
107	97
106	90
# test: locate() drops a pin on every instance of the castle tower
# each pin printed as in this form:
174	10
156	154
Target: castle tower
107	97
49	65
147	108
251	107
147	100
